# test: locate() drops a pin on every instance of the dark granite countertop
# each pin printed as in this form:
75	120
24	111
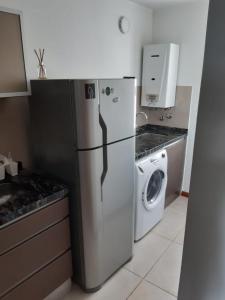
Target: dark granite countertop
151	138
25	193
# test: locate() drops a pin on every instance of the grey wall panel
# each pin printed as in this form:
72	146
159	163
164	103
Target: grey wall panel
203	270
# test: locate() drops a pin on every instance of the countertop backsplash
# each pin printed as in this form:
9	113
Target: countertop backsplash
180	113
14	129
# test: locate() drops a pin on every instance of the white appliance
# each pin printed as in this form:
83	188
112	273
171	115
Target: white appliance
151	182
159	78
84	133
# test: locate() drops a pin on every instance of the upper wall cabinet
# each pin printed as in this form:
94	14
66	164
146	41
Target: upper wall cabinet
13	80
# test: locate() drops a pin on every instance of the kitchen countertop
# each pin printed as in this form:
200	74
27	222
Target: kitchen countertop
25	193
151	138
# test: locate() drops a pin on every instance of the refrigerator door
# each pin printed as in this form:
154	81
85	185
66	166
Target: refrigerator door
89	130
107	205
91	169
117	108
118	206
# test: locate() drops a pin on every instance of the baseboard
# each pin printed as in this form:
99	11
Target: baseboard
185	194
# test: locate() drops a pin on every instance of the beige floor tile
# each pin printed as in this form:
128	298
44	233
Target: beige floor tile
147	291
119	287
171	224
180	205
166	273
146	253
154	253
180	237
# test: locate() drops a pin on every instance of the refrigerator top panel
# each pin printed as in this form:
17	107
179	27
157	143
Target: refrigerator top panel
117	108
105	111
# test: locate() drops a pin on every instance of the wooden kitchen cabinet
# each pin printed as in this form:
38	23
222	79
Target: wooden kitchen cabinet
13	81
176	158
35	255
43	282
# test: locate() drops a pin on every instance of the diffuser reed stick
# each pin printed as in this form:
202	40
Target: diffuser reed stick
41	67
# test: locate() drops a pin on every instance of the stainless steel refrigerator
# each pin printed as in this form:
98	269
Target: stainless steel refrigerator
83	132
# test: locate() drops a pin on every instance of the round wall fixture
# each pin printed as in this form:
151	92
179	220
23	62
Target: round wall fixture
124	25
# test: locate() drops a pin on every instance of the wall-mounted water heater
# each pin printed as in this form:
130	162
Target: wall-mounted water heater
159	78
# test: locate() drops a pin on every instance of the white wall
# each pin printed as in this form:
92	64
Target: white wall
81	37
185	24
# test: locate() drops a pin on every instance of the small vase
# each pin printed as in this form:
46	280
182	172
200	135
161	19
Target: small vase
42	72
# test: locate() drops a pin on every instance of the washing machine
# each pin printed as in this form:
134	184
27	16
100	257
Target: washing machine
151	182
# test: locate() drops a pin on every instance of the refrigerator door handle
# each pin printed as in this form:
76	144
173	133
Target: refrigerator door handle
104	148
105	164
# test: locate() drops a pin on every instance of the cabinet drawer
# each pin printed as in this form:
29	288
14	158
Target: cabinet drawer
28	258
25	228
44	282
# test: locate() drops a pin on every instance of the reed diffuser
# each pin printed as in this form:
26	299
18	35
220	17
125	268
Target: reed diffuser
41	66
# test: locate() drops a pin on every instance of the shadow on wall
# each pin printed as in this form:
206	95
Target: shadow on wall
177	116
14	126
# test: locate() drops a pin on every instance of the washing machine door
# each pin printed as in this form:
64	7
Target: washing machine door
153	189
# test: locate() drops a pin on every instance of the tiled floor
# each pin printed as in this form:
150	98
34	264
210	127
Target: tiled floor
154	272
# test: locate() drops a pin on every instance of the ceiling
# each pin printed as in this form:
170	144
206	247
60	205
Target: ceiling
162	3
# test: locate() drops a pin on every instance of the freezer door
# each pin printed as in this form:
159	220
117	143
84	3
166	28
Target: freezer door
118	206
89	130
118	108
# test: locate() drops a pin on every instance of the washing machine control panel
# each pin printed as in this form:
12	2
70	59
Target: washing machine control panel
154	161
